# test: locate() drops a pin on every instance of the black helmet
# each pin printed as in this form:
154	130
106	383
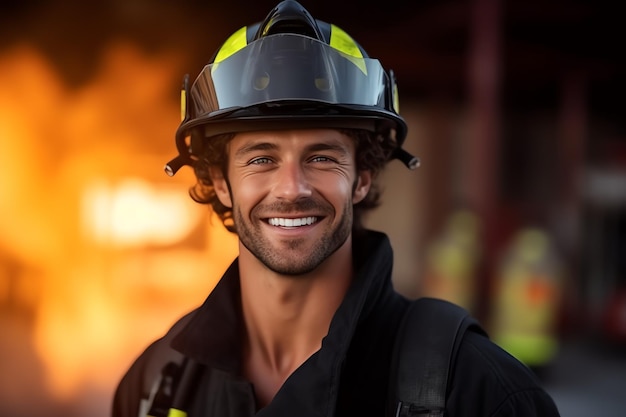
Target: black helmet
289	71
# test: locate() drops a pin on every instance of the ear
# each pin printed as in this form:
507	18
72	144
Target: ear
363	184
220	185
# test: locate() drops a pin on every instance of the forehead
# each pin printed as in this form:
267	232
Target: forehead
298	138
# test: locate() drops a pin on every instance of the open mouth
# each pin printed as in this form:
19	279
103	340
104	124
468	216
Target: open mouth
288	222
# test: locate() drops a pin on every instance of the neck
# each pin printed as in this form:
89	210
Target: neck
286	317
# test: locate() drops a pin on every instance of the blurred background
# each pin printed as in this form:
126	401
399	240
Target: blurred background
518	211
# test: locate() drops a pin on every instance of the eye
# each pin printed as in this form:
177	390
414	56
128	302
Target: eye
260	161
321	158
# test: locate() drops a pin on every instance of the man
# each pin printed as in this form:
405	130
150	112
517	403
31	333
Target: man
287	130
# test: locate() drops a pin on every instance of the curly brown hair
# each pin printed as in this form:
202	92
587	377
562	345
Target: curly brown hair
373	151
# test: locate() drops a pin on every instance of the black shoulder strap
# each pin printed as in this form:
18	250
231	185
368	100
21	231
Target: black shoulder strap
166	370
424	351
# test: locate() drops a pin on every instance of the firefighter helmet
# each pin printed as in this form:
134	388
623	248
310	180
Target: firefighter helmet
289	71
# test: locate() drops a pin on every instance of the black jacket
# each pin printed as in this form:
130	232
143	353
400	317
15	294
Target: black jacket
348	376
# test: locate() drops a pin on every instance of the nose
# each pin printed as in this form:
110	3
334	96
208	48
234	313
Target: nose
291	182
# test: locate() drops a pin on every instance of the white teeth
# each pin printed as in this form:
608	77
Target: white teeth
304	221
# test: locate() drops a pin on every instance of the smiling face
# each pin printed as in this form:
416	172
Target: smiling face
292	194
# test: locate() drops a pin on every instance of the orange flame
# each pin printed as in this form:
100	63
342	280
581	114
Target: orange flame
120	250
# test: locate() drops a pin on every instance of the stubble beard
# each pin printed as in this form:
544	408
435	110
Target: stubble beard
287	259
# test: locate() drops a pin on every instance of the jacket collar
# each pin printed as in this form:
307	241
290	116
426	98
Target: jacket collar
213	336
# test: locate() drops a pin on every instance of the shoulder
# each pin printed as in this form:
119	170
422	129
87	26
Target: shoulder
137	382
487	381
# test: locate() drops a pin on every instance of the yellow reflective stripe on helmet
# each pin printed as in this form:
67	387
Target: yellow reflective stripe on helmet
183	104
344	43
396	98
176	413
234	43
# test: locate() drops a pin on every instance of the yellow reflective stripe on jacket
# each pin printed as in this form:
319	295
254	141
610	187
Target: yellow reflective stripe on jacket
176	413
173	412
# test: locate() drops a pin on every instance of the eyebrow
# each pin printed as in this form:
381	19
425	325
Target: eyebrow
254	147
328	146
268	146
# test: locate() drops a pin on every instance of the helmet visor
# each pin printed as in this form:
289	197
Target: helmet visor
288	67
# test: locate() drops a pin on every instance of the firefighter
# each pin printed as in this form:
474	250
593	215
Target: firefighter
527	299
287	130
